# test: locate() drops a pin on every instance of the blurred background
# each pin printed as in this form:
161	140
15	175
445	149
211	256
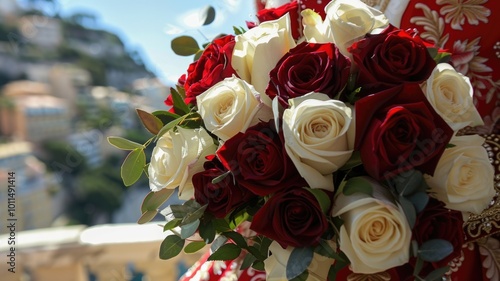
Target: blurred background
72	73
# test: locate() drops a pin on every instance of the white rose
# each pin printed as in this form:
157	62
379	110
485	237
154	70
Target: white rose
257	51
275	265
375	235
450	93
315	129
176	157
231	106
315	29
464	177
351	20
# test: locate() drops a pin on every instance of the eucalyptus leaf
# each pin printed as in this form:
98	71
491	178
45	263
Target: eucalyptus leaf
124	144
322	198
171	224
225	252
419	264
409	210
180	107
147	216
152	123
154	200
184	46
171	246
435	250
131	169
357	184
247	261
165	116
354	161
302	277
258	265
189	229
298	261
408	182
196	215
194	247
437	274
237	238
207	231
218	242
325	250
209	13
419	200
169	127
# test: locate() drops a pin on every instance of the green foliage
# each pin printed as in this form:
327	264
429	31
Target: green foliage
171	246
322	198
225	252
298	262
435	250
60	156
152	123
357	184
184	46
132	166
124	144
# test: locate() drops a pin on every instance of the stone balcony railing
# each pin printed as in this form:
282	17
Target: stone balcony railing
80	253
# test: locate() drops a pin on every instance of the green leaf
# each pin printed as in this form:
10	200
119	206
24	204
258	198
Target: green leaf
152	123
337	267
154	200
207	231
124	144
419	200
419	264
225	252
258	265
256	251
354	161
165	116
301	277
247	261
409	182
432	51
219	178
171	246
198	54
238	30
169	127
172	224
131	169
196	215
450	145
437	274
209	13
180	106
409	210
325	250
357	184
221	225
322	198
184	46
194	247
147	216
218	242
299	260
435	250
189	229
237	238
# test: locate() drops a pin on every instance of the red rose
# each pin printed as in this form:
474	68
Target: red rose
276	13
212	67
397	130
258	160
438	222
222	197
309	68
291	217
392	57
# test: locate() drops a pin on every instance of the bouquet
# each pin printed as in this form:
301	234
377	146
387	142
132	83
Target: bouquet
336	140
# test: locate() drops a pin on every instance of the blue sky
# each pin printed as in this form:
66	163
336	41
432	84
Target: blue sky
150	25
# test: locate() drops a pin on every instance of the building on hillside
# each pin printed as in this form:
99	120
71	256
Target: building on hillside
73	84
36	203
34	115
154	91
89	145
41	31
118	102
